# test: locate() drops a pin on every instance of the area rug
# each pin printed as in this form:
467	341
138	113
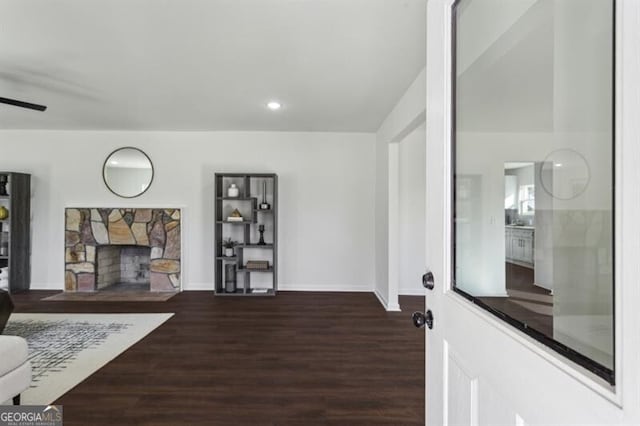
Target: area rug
110	296
65	349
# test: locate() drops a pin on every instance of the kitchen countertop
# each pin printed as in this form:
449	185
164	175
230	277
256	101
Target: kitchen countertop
520	227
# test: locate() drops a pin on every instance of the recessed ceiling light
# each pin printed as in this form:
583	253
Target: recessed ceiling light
558	164
114	161
274	105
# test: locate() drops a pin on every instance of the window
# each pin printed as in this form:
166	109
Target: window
527	200
533	142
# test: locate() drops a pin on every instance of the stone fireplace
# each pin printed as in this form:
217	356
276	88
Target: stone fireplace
137	247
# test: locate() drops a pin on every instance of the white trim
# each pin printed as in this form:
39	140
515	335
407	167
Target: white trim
478	294
326	287
445	381
47	286
393	206
627	251
436	244
406	116
208	286
385	305
381	298
199	287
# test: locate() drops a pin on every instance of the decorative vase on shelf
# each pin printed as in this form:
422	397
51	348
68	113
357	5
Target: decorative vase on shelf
230	278
233	191
264	205
4	213
228	251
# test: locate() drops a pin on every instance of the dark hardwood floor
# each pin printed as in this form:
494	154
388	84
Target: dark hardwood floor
527	303
297	358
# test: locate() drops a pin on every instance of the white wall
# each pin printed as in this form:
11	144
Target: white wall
412	211
382	221
326	196
406	116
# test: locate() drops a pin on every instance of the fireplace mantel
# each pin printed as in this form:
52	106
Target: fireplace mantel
89	228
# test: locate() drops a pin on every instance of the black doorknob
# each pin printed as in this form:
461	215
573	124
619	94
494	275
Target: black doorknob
428	281
420	319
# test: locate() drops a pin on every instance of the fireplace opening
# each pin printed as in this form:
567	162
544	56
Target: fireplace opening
123	268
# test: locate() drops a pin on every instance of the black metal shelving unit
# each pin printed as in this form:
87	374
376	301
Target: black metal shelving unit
15	232
246	234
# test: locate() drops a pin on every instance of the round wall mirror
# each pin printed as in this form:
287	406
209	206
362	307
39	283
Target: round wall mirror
127	172
565	174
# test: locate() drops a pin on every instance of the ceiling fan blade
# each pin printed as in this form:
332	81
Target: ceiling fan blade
22	104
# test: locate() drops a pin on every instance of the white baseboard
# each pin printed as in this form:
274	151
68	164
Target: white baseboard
394	308
381	298
46	286
295	287
385	304
198	287
326	287
208	286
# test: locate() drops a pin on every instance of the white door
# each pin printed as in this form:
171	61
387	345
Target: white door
481	370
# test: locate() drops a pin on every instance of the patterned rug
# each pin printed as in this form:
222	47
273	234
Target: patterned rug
65	349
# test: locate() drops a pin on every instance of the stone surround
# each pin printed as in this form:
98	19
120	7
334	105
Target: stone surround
86	229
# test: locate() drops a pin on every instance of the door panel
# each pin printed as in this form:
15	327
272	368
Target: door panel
462	391
492	409
480	370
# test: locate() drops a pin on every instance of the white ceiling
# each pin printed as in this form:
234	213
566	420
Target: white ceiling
335	65
516	68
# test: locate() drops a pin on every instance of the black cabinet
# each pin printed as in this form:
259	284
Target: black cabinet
15	232
246	212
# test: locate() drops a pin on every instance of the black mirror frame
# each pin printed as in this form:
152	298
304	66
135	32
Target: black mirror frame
104	167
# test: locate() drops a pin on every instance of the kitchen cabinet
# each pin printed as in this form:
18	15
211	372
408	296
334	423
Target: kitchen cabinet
519	245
